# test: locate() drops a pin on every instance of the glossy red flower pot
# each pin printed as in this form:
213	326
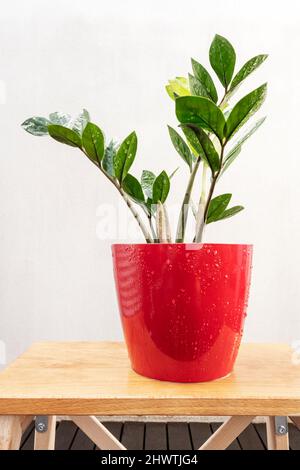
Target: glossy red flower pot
182	307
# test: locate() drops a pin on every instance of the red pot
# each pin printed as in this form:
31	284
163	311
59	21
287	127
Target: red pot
182	307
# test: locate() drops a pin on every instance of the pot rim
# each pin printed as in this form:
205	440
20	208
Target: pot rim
205	244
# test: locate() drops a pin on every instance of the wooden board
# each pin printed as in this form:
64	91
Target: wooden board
115	427
133	435
80	378
262	433
156	436
65	435
294	437
200	432
179	437
249	439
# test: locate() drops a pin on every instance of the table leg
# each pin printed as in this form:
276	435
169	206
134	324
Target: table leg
10	432
25	421
46	440
98	433
226	433
277	433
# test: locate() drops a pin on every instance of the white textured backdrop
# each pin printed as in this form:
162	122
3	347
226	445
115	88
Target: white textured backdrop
114	58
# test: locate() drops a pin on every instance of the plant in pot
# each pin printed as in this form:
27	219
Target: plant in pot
182	304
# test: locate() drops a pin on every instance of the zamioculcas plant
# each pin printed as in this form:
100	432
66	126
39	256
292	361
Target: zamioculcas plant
211	126
212	139
182	305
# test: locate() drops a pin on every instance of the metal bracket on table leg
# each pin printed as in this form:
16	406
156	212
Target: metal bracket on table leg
41	423
281	425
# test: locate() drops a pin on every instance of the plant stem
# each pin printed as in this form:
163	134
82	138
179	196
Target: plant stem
203	184
162	224
151	226
185	204
150	221
215	177
223	101
200	213
194	208
204	204
129	204
135	214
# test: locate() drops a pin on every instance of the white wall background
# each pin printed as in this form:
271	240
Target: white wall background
114	58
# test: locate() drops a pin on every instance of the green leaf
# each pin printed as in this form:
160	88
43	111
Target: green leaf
147	181
231	212
108	158
204	146
246	70
202	112
192	139
196	87
173	173
133	188
244	109
178	87
93	142
170	92
205	79
230	157
250	131
36	125
125	156
64	135
181	147
161	187
78	123
217	207
222	59
60	118
236	149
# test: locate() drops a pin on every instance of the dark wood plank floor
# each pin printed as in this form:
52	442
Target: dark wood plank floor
158	436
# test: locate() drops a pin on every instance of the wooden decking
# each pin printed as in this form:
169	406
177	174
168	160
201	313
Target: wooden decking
158	436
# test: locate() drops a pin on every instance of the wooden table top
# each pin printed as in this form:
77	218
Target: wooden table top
80	378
